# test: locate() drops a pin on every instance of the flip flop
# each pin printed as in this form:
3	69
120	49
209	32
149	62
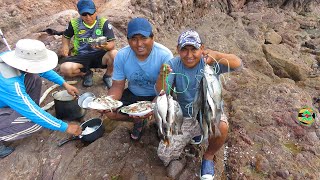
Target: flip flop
136	133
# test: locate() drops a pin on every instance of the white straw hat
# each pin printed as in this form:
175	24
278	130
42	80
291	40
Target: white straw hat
31	56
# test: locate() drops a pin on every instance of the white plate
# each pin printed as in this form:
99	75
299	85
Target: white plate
143	112
87	101
99	106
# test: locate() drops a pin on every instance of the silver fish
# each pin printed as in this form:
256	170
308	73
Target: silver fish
170	116
197	101
160	111
158	119
214	85
178	118
198	107
213	95
207	104
205	109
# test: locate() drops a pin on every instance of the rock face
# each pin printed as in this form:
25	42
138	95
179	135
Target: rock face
278	42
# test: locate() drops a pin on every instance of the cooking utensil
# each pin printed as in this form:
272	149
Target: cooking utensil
4	40
66	106
92	129
52	32
85	98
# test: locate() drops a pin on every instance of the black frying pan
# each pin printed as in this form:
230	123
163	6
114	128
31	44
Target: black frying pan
88	138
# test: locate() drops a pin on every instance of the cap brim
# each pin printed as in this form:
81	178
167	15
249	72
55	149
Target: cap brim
87	10
35	66
196	45
143	33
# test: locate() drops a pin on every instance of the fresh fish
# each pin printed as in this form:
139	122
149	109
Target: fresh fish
205	109
213	96
198	107
197	101
160	111
207	104
158	119
214	85
170	116
178	118
162	105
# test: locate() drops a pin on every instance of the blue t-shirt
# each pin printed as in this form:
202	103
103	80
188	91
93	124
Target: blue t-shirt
180	82
141	75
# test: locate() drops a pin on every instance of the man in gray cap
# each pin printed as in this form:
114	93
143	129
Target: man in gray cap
190	62
86	54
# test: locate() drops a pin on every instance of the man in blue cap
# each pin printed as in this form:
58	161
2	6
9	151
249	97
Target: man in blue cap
139	64
87	52
190	62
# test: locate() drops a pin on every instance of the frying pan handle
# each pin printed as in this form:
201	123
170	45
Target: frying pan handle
67	140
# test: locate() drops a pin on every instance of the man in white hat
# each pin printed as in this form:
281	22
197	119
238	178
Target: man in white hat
20	90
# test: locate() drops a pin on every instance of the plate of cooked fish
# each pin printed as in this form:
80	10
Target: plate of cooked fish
104	103
140	108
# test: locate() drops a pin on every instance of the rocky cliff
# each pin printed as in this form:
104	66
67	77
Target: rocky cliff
278	42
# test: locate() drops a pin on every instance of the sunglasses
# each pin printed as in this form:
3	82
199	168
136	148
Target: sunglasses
86	13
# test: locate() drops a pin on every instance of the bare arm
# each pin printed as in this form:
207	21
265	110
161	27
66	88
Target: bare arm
64	50
116	89
223	58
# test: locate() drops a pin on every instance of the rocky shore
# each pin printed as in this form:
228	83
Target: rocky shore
278	41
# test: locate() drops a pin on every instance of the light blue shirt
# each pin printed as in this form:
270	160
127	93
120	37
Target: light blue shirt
141	75
187	90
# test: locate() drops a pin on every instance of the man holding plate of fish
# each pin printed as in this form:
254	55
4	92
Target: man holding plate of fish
139	65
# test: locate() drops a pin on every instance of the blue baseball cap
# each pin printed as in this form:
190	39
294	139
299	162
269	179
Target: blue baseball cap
189	37
86	6
139	26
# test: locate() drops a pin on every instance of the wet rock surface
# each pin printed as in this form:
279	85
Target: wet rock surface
278	43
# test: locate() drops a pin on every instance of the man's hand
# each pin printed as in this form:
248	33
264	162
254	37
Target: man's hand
165	69
211	56
74	129
64	51
70	89
102	46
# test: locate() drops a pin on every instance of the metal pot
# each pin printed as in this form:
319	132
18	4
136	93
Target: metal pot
66	106
96	124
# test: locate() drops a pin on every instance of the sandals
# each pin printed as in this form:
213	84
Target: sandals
137	130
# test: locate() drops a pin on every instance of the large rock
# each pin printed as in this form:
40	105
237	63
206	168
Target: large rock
284	64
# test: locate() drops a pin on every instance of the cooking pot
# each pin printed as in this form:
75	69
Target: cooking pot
66	106
88	136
